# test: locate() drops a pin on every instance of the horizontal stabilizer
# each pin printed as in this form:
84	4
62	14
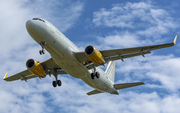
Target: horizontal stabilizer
127	85
94	92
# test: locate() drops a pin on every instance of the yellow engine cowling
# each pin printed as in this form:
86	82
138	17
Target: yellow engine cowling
35	67
94	55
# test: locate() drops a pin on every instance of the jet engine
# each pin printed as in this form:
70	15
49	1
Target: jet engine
35	67
94	55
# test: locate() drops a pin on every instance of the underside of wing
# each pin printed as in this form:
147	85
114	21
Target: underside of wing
22	75
140	50
121	54
50	64
47	66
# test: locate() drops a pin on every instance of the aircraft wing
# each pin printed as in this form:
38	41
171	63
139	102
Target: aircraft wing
21	75
121	54
26	74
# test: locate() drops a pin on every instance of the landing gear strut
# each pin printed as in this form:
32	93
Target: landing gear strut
42	45
56	82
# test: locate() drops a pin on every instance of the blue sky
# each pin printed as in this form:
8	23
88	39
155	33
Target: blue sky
105	25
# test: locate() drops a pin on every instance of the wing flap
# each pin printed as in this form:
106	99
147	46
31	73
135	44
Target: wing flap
28	77
117	57
127	85
94	92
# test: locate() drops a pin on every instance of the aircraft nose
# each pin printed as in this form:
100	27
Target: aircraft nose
29	24
32	26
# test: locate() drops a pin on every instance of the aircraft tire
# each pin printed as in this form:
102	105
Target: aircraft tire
92	76
54	83
40	52
97	74
59	83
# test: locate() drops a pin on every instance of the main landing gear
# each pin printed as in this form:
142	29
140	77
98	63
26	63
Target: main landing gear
95	74
56	82
42	45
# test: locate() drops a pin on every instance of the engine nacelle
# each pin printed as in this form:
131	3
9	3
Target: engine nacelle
94	55
35	67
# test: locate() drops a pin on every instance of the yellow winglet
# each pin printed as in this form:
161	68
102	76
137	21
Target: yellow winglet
5	76
174	42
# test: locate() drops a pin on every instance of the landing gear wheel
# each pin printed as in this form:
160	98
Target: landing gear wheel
43	52
97	74
59	83
54	83
40	52
92	75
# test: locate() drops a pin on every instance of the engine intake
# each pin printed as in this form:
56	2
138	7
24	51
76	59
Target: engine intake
94	55
35	67
89	50
30	63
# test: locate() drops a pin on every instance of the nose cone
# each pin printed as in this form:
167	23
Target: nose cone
29	25
32	26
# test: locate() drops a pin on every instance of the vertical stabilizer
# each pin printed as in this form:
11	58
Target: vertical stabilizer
110	71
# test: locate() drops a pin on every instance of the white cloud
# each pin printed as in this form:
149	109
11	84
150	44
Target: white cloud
161	69
61	13
71	97
136	24
148	20
122	39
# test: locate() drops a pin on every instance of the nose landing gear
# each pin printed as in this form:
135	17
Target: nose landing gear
42	45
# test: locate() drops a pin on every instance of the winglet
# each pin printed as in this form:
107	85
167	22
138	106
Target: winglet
174	42
5	76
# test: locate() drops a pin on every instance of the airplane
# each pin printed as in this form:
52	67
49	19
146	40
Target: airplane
66	58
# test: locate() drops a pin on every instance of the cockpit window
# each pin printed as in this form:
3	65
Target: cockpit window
39	19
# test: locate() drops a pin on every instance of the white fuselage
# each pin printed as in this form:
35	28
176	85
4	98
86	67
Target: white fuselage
62	52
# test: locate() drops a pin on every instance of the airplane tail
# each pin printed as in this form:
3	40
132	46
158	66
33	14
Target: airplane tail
110	70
